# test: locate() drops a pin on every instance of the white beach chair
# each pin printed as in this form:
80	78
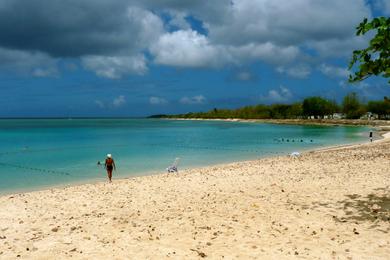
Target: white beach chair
173	167
295	154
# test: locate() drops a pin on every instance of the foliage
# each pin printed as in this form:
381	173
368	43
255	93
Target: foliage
375	59
311	106
381	108
277	111
318	107
352	107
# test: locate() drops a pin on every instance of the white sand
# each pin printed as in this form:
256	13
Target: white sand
331	204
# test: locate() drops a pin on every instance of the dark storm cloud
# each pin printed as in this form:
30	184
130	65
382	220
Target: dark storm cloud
68	28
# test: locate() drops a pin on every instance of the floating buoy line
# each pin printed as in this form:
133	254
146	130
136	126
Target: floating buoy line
193	147
180	146
33	168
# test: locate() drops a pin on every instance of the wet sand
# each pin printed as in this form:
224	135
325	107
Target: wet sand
328	204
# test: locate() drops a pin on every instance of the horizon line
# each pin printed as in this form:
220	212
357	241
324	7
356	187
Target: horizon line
75	117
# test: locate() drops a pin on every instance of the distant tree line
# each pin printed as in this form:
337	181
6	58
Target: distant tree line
312	107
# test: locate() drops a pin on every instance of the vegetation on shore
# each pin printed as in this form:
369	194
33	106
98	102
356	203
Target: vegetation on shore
312	107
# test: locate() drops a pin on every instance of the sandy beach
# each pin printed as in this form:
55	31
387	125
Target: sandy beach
328	204
329	122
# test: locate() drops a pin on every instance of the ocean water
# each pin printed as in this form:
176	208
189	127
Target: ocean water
38	153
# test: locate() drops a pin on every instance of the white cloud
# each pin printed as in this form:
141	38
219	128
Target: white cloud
277	95
267	51
195	100
244	76
185	48
158	101
299	71
119	101
178	20
100	103
246	31
148	26
333	71
45	72
292	22
338	47
117	66
115	103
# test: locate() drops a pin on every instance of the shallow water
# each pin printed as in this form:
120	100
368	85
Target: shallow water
38	153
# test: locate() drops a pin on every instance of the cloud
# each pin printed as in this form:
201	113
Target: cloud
115	67
158	101
277	95
328	48
36	63
115	103
100	103
244	76
333	71
185	48
119	101
117	38
268	52
178	20
74	29
299	71
188	48
195	100
44	72
102	33
287	23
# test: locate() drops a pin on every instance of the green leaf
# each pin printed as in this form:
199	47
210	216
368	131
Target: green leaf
375	59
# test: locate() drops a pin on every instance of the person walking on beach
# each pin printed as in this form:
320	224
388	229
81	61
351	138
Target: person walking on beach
371	136
109	165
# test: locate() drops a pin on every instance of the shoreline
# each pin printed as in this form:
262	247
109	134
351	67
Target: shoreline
325	204
326	122
385	137
99	180
383	131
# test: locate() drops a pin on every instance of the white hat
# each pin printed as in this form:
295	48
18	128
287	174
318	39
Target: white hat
109	155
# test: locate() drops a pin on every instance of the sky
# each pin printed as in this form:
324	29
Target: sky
99	58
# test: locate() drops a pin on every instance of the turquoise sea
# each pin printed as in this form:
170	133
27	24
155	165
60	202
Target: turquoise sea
37	153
